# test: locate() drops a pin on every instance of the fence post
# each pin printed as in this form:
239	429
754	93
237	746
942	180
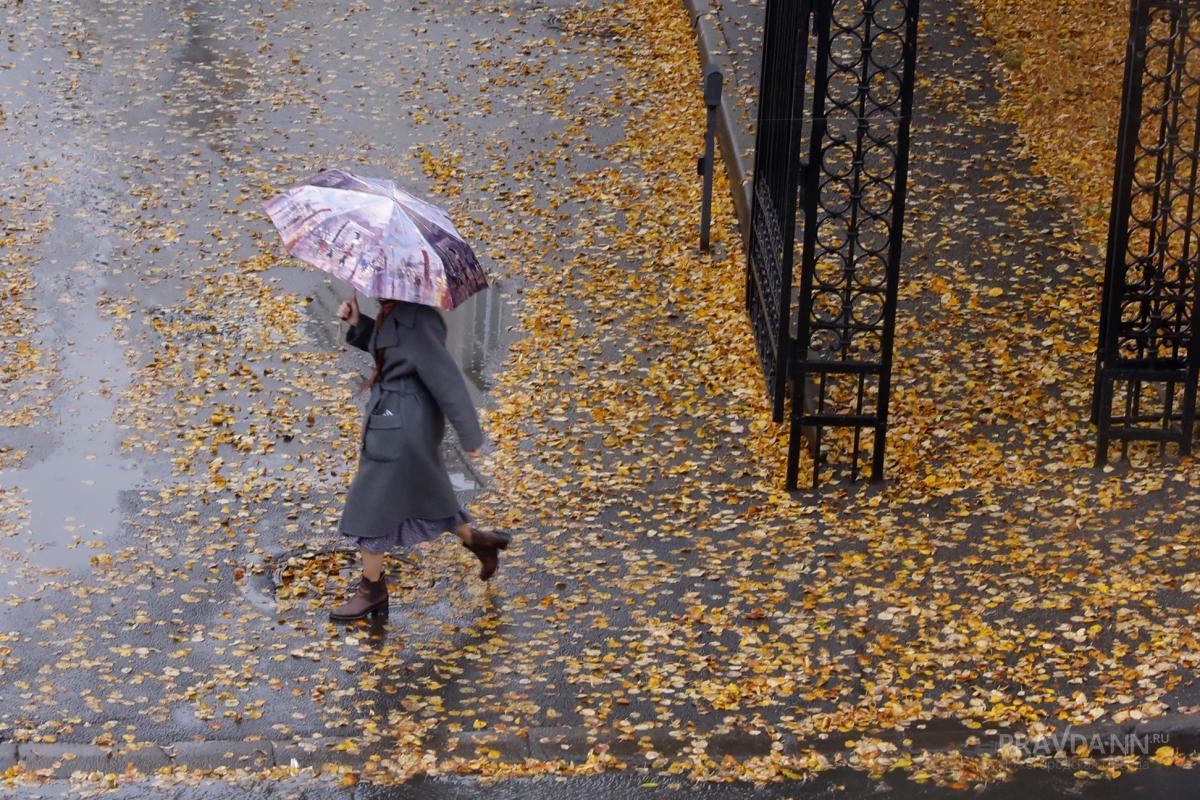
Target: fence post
713	80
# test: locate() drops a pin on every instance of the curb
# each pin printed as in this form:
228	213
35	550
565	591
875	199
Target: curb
737	147
1180	731
59	761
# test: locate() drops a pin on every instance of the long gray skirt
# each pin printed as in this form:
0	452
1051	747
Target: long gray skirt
411	532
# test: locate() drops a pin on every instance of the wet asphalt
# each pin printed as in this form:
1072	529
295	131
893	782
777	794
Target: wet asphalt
125	121
127	124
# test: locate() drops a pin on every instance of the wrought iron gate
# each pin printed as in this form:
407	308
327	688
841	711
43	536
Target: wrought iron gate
850	64
1147	359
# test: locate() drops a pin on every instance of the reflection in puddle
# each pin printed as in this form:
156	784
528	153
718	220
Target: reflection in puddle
478	334
210	84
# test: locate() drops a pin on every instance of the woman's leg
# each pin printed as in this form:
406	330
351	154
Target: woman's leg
372	594
469	535
485	545
372	564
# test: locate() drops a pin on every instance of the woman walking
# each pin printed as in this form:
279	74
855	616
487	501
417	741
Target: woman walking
402	495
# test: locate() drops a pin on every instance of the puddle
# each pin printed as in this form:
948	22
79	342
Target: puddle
72	490
289	586
71	480
72	476
73	503
211	81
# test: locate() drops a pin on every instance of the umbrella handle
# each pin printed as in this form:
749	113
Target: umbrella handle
480	481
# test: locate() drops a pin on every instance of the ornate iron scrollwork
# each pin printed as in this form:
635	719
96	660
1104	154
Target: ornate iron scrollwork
850	190
1147	362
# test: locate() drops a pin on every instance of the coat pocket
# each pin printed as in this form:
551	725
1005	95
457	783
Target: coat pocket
383	439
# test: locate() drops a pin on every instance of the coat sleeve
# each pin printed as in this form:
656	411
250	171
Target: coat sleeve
441	375
360	335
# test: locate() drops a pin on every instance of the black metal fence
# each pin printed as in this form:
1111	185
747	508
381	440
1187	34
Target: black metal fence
773	196
1147	360
830	172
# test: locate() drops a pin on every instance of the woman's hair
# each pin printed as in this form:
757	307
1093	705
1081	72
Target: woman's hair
385	307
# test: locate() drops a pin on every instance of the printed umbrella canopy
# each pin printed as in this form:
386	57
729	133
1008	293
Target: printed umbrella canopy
378	238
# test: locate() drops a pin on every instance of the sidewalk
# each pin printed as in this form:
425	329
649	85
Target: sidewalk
989	587
967	188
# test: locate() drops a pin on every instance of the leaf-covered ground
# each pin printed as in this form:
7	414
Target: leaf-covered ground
663	589
1062	66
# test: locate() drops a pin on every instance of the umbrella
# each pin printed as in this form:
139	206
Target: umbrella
377	237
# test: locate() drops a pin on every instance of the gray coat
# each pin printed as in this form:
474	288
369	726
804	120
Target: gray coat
400	470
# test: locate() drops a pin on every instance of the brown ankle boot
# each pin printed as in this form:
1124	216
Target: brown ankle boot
371	598
486	545
489	558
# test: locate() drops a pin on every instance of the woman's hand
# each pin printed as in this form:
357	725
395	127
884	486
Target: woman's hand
473	453
348	311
